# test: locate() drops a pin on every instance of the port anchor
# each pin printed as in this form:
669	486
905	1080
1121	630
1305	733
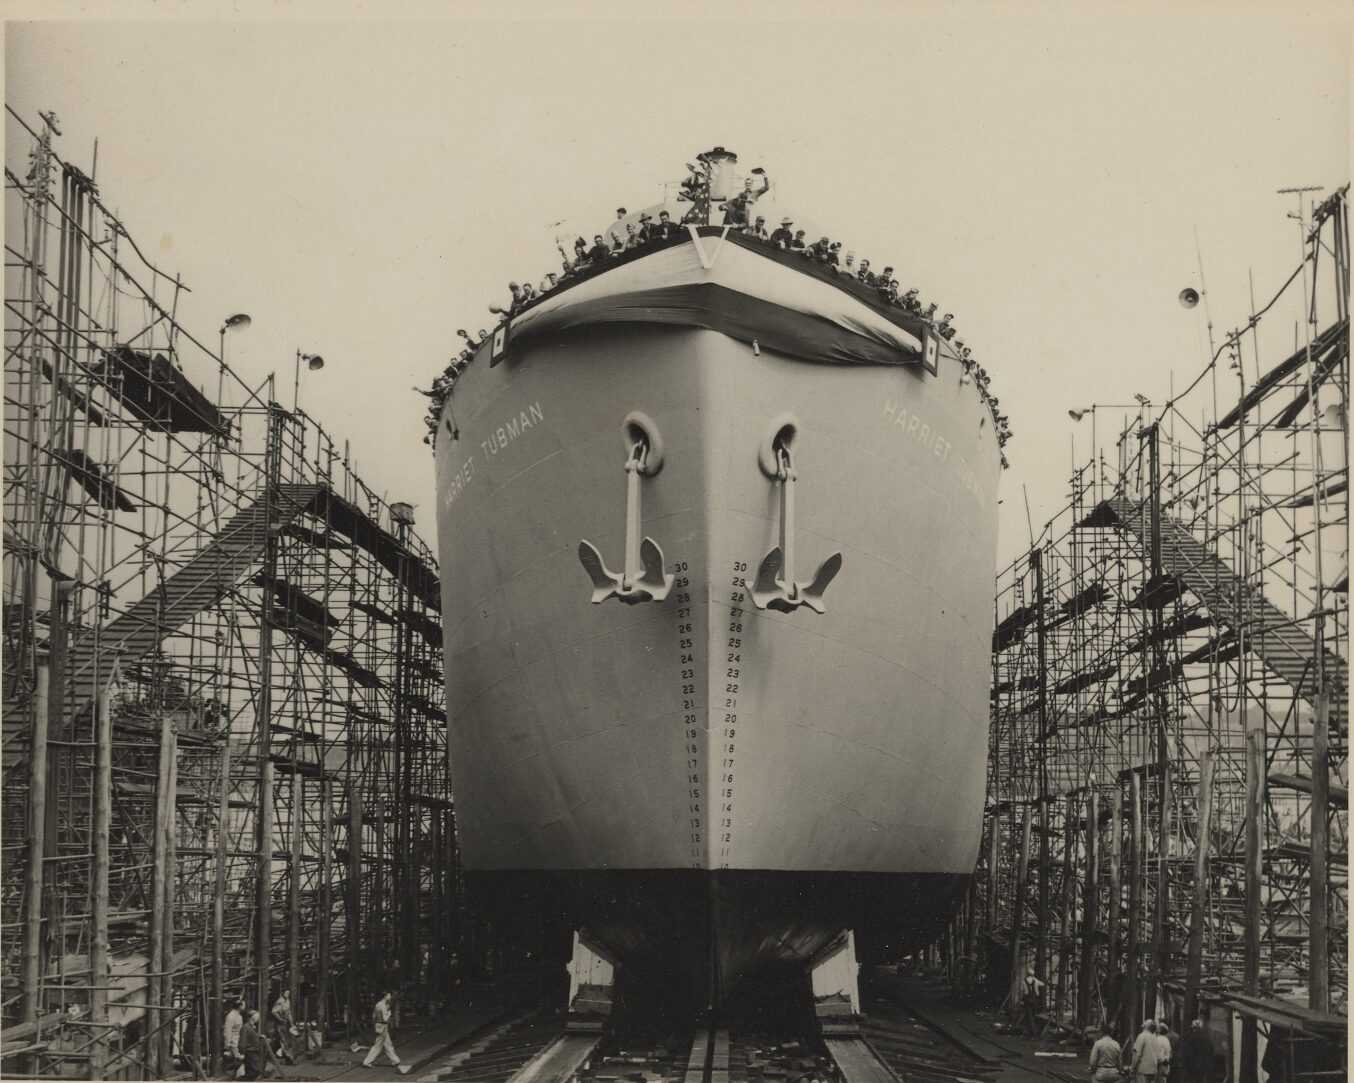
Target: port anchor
775	586
643	579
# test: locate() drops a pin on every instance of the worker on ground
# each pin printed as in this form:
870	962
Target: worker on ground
1165	1047
253	1048
1106	1059
283	1025
1029	1005
1196	1054
1146	1053
381	1017
230	1032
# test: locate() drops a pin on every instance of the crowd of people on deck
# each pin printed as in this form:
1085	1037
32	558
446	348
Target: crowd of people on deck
608	247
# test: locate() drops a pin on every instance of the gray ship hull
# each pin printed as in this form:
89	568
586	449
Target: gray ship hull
698	778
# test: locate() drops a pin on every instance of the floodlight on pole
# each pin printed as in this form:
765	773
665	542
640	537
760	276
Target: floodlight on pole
236	322
314	362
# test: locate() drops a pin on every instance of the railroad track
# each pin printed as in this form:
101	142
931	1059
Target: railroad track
536	1048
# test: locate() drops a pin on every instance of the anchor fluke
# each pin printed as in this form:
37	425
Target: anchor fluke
812	593
767	587
605	582
654	579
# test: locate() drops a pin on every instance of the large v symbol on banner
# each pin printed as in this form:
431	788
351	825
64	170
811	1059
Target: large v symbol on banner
707	258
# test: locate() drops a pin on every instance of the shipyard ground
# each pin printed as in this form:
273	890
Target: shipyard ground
499	1030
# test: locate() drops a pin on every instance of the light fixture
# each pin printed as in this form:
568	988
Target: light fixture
239	320
1077	415
402	513
314	362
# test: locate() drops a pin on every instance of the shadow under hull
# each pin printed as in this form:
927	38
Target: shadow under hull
705	938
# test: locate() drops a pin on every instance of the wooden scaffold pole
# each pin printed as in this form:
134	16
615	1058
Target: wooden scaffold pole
31	985
1090	912
1255	823
98	888
1132	999
1018	912
1194	973
326	907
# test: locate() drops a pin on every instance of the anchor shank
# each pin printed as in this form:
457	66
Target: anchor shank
632	519
787	525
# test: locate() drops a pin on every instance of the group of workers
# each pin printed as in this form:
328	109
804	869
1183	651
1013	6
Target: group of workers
251	1047
1157	1055
650	230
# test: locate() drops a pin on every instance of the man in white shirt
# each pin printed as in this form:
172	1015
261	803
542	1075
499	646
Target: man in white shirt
230	1035
1145	1051
381	1017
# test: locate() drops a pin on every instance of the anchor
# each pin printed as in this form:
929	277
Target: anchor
775	586
643	579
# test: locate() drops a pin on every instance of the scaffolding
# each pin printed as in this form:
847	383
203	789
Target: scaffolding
1167	810
224	728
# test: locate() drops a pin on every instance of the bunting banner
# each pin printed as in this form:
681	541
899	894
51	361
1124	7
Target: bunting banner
730	286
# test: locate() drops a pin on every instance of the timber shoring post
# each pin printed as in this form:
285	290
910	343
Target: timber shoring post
167	925
263	729
378	905
98	889
159	874
1018	912
293	984
1112	954
326	907
1255	811
1041	931
31	985
1065	906
1194	972
1132	999
1090	917
1318	974
218	1005
1161	948
353	924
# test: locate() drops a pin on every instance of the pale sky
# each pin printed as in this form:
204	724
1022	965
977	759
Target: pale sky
362	188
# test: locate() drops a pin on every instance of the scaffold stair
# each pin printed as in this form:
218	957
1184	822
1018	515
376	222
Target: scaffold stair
1279	641
210	572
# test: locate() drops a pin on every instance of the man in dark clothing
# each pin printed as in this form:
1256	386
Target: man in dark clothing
798	241
1196	1054
782	237
866	275
252	1047
599	253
